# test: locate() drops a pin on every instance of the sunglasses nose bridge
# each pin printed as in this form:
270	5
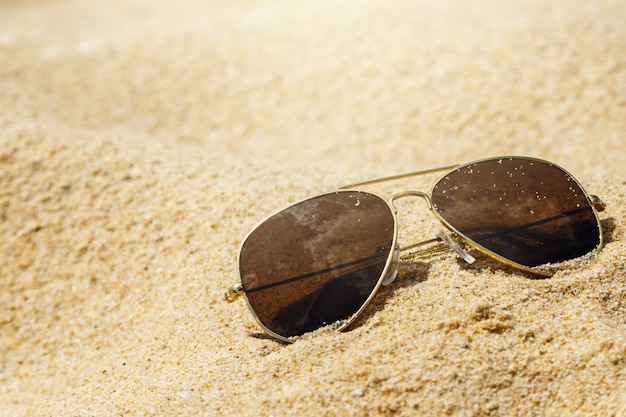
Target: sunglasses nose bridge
405	194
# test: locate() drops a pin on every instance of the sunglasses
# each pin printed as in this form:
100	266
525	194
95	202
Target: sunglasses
320	261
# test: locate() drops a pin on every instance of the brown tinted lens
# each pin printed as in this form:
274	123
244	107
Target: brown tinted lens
528	211
317	261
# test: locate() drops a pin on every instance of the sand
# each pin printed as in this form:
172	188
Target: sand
141	140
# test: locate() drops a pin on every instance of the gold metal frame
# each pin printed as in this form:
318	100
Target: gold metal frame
440	245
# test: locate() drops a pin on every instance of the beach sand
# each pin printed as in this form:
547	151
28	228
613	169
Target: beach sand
141	140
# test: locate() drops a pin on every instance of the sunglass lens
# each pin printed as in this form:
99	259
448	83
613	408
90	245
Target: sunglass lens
528	211
317	262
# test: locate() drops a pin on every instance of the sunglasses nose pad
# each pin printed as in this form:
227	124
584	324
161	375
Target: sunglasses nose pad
447	239
391	274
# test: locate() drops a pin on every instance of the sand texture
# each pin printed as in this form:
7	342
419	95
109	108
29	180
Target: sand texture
141	140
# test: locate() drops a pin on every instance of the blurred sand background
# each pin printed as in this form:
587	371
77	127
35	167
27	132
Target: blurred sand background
141	140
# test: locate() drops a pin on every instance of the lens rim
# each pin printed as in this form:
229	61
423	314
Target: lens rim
540	270
389	263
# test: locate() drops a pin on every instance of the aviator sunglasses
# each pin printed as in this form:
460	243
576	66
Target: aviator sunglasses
320	261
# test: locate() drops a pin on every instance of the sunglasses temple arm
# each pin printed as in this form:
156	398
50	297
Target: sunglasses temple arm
597	203
233	293
237	290
599	206
447	243
400	176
